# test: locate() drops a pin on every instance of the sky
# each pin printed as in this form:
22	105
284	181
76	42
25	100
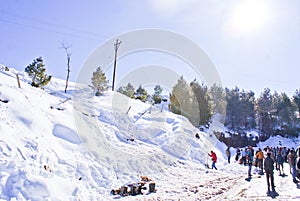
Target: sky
252	44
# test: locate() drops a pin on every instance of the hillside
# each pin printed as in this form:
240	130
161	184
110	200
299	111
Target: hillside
75	146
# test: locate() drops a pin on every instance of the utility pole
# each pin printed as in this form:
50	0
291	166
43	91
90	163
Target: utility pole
117	45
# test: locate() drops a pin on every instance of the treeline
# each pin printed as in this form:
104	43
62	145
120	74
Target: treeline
270	113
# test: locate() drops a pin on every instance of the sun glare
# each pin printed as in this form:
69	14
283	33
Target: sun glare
249	16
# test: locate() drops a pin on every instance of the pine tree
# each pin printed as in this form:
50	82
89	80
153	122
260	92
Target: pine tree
183	101
233	108
248	109
296	99
203	100
179	96
99	82
157	94
36	70
264	108
128	90
285	111
217	97
141	94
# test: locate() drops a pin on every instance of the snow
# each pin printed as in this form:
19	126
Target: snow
66	133
75	146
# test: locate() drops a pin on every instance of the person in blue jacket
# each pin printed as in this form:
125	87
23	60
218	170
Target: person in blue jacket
249	157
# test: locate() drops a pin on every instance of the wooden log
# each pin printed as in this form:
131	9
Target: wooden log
123	190
137	189
151	187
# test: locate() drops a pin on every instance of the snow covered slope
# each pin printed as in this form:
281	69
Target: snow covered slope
75	146
89	138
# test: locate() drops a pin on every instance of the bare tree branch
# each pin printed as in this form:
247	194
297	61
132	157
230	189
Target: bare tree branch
66	46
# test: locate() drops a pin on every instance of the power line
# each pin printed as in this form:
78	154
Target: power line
47	23
49	30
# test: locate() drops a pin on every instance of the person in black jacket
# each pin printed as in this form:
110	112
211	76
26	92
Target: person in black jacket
269	168
238	153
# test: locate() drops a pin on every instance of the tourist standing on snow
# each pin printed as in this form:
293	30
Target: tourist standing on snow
269	168
260	159
288	151
279	161
249	157
228	154
237	155
292	162
275	152
244	155
284	154
265	151
214	159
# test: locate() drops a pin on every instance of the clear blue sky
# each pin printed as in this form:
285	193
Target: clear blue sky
254	44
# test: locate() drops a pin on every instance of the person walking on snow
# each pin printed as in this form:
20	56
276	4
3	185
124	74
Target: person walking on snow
249	156
260	159
269	168
280	160
292	162
214	159
228	154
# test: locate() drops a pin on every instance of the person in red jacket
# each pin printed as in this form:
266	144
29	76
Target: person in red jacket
214	159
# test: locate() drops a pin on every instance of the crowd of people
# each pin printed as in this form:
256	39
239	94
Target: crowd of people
265	160
268	160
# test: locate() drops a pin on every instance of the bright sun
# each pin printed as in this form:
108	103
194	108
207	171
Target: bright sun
249	16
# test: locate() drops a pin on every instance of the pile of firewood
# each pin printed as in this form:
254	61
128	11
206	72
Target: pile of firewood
135	188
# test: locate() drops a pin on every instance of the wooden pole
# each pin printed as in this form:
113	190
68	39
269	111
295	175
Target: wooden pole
18	80
117	45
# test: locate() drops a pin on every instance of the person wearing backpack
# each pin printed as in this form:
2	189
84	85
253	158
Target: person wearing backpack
214	159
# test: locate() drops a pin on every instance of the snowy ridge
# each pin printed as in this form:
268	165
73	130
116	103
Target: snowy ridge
75	146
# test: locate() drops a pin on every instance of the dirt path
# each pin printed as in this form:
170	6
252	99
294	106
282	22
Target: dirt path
187	182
